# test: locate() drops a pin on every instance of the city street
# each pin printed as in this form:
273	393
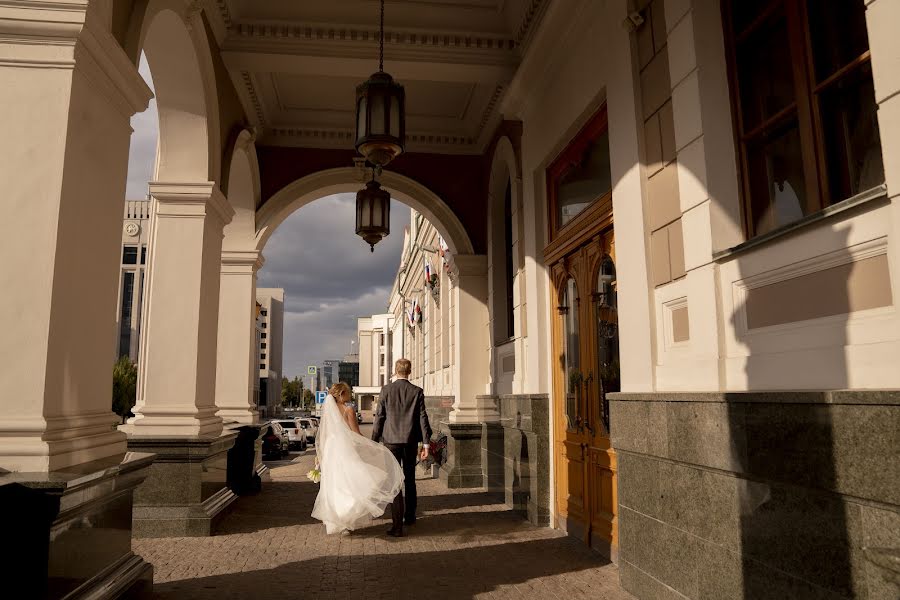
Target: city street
464	545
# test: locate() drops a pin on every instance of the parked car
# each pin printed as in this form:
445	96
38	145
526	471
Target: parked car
296	434
312	428
275	441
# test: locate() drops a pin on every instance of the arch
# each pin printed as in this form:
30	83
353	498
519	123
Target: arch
180	58
505	178
348	179
243	193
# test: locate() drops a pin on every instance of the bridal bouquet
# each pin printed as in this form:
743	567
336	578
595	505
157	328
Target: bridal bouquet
315	475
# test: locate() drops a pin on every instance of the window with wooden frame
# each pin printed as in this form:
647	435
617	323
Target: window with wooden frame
580	175
805	116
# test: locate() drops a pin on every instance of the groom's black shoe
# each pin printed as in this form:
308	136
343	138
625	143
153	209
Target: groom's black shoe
409	522
396	532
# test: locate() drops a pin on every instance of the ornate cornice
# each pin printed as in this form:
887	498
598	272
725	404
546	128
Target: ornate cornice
247	78
492	103
338	33
532	17
344	137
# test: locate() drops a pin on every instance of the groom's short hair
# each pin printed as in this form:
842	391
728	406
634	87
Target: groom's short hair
403	367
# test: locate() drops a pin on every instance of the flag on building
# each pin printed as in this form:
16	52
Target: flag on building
427	271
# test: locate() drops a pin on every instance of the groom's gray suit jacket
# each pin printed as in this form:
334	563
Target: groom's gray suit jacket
401	416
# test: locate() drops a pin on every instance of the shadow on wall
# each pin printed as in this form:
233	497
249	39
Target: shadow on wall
794	527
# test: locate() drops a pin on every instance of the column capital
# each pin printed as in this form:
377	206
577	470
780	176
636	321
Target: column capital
68	35
242	261
194	199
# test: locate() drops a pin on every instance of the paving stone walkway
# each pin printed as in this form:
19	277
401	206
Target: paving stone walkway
464	545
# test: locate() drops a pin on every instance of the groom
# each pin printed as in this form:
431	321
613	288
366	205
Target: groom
401	423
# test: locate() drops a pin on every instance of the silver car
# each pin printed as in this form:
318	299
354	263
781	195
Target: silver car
297	439
311	427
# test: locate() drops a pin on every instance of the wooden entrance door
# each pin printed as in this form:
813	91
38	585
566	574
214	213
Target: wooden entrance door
587	368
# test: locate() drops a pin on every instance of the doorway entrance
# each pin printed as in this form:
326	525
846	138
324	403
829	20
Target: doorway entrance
581	258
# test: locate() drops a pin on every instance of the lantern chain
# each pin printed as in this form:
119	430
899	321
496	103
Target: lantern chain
381	42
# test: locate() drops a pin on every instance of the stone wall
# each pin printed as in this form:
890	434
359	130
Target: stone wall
758	495
515	455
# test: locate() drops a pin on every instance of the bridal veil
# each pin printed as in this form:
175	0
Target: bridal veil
360	478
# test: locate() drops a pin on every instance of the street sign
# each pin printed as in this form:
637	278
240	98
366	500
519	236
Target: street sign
320	397
311	370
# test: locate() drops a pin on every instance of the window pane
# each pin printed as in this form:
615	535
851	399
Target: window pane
777	182
129	255
743	13
852	142
143	255
571	358
607	337
126	313
838	34
586	181
765	78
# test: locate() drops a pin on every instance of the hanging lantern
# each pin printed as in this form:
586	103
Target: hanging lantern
373	213
380	113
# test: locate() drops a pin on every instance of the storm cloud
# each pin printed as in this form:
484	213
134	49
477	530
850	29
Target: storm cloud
329	276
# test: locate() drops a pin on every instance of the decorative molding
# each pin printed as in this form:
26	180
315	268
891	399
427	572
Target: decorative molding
254	97
225	14
534	13
342	33
844	256
491	105
344	138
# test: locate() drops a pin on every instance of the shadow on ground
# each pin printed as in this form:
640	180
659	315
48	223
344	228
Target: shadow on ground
460	573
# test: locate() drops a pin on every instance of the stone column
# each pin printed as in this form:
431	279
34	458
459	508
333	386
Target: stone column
471	377
177	379
175	416
67	91
236	364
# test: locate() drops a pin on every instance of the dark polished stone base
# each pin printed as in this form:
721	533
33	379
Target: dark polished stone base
68	532
758	494
463	466
515	455
245	460
187	491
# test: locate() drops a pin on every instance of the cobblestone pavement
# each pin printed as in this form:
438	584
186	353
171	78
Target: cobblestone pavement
464	545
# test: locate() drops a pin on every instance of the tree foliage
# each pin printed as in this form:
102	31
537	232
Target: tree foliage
308	399
291	391
124	387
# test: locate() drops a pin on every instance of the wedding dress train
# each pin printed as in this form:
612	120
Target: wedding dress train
360	478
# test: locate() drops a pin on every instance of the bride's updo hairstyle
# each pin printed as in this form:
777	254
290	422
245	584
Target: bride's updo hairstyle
338	389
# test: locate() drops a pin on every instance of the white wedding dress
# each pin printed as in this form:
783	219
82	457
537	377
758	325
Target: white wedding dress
360	478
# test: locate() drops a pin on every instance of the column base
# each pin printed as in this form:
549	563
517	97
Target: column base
485	409
186	493
244	416
463	466
68	532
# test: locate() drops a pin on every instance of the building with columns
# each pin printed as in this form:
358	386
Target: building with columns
672	298
376	358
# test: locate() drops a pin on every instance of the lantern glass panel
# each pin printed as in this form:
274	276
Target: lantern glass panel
395	116
361	118
377	126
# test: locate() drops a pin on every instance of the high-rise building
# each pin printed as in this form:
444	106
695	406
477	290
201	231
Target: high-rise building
131	276
271	344
348	370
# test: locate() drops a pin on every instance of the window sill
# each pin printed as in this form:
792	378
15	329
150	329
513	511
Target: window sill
871	195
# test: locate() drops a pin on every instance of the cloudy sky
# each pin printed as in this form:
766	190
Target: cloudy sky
327	272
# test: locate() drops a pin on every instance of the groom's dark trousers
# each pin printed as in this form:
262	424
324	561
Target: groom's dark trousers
404	505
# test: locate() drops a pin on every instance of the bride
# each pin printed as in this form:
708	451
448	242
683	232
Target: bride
359	477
